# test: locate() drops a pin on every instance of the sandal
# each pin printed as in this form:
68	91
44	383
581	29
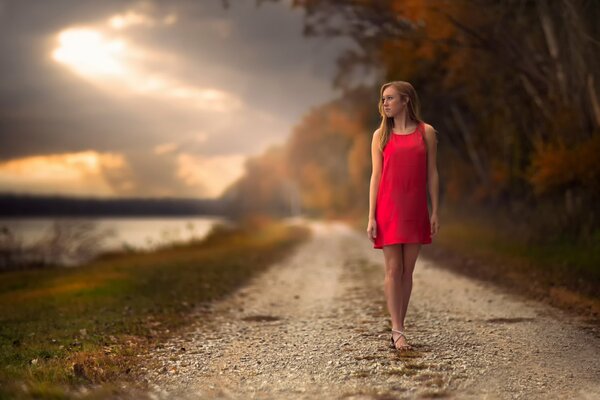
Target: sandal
393	342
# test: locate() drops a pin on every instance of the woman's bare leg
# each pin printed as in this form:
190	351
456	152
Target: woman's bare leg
393	285
400	260
410	252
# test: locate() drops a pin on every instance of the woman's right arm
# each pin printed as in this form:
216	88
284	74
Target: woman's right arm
376	158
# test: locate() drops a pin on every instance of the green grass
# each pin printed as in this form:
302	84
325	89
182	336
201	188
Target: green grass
564	271
559	260
68	326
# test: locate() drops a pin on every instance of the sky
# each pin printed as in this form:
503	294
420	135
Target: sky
119	98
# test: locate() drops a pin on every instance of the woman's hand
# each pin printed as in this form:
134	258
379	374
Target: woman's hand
372	229
435	225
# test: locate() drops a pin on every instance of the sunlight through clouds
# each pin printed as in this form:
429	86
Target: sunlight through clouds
83	173
89	53
132	18
115	64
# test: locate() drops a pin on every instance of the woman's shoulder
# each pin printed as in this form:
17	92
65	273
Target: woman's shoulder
429	132
429	129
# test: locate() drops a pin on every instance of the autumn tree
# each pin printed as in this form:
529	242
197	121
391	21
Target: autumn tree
505	82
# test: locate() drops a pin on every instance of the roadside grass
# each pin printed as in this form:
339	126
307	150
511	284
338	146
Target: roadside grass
484	239
65	328
565	272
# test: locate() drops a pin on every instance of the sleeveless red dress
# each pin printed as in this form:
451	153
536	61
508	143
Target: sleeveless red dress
401	212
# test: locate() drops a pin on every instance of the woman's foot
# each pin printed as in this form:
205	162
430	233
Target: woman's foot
399	340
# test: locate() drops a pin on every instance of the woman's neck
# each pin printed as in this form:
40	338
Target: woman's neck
401	123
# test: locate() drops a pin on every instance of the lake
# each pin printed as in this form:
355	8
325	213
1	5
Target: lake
109	234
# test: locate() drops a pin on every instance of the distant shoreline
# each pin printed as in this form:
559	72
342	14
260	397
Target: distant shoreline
20	205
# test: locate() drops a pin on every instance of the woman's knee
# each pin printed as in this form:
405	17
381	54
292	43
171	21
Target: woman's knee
407	275
394	269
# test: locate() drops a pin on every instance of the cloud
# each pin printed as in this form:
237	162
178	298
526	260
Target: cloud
83	173
108	174
168	86
213	174
121	67
165	148
132	17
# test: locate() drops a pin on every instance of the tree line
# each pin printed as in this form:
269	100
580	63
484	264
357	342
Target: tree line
510	85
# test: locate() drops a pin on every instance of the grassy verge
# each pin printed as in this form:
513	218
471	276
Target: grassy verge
565	273
72	327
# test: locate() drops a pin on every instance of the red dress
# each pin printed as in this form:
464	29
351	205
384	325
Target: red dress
401	212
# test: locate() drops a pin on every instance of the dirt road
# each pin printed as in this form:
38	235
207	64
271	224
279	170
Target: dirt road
316	326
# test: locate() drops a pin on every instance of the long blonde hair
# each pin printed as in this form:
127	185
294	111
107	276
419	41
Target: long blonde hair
413	108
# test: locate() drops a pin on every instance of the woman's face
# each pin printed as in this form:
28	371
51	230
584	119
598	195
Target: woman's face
392	103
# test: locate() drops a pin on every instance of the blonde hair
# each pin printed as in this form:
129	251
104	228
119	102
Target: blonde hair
413	108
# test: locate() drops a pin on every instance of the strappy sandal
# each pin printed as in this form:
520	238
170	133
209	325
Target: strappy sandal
393	342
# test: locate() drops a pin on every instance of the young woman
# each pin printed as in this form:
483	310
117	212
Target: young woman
403	153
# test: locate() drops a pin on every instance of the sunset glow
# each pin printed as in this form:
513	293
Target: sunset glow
73	173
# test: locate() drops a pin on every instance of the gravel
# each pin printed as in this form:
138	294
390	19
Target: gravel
316	326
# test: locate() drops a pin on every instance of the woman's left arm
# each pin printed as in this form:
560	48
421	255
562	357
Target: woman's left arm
432	175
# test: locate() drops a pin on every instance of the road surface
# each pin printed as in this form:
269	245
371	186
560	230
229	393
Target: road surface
316	326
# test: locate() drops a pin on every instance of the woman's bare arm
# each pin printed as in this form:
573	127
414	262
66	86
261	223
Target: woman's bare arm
432	172
376	158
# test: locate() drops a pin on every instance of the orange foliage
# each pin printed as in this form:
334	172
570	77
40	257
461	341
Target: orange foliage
555	166
317	191
427	12
326	160
359	161
329	157
500	177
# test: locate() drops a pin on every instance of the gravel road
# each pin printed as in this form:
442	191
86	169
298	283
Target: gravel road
315	326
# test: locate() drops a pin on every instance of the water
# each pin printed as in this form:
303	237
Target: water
99	235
